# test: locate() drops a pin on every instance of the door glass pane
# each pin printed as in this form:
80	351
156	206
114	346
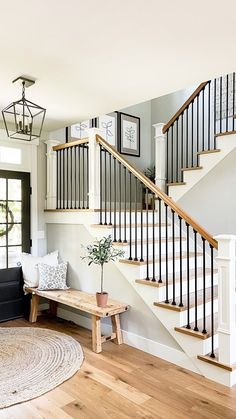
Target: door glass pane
14	189
14	256
3	211
3	229
14	212
2	188
14	234
3	258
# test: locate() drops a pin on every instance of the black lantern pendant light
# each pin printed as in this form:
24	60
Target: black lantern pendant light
24	119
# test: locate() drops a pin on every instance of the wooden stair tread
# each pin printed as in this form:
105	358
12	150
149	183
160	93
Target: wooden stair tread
163	258
217	150
177	277
176	183
222	134
163	240
199	334
191	168
192	300
215	361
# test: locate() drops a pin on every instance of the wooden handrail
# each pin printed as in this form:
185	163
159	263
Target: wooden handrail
70	144
184	106
152	187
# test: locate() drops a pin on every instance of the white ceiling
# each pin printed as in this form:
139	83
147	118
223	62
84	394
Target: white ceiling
90	57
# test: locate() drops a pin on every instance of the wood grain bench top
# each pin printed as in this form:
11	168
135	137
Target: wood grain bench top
82	301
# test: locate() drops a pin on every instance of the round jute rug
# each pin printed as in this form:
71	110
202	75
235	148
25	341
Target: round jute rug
34	361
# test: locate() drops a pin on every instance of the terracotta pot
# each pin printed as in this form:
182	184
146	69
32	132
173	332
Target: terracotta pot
101	299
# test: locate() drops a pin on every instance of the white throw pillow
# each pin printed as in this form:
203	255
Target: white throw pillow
30	263
52	277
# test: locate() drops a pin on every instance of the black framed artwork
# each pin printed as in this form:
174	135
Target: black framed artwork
129	134
109	125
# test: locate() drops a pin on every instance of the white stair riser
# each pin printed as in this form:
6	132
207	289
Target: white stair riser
143	268
162	290
150	248
183	314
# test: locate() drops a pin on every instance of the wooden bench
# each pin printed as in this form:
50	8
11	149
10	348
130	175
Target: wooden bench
84	302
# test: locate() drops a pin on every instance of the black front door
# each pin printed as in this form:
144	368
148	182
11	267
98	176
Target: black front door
14	239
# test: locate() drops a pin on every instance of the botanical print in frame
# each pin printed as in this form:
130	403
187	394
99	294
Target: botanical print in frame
130	135
108	123
79	130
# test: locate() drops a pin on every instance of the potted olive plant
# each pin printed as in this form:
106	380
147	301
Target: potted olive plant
100	252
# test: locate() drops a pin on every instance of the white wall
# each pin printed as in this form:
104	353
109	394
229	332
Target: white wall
139	320
212	201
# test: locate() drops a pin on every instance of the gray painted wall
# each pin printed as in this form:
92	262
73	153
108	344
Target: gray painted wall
139	320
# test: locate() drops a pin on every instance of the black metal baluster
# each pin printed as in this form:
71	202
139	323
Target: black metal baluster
180	263
220	104
182	146
160	240
209	116
186	148
135	221
60	178
83	176
195	279
120	203
203	119
57	164
79	173
197	132
147	237
212	304
172	154
75	175
227	104
105	186
167	270
130	216
110	175
173	256
192	146
188	279
214	114
101	186
114	199
177	150
141	220
71	177
125	238
63	188
153	239
233	100
204	284
87	165
167	156
67	178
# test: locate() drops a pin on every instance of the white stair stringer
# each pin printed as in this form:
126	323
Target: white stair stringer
170	319
225	144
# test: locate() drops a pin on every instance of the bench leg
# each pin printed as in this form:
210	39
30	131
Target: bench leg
115	321
96	334
34	308
53	308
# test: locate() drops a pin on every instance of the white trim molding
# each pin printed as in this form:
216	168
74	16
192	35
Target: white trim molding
160	156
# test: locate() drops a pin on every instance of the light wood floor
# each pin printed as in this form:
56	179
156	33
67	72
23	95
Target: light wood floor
123	382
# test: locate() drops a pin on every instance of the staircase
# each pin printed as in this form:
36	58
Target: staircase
170	260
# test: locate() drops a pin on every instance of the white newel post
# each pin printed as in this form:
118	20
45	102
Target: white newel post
227	298
94	168
160	156
51	196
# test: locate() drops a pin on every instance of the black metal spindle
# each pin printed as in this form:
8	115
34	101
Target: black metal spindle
67	178
186	145
60	177
87	166
197	131
71	177
203	119
120	199
172	154
147	236
173	257
114	199
195	280
233	99
160	240
204	331
177	151
125	197
220	104
63	188
182	146
83	177
214	114
227	104
167	156
110	182
209	116
188	281
57	164
135	220
79	177
166	237
192	134
130	216
75	175
141	228
105	187
212	304
180	263
101	185
153	239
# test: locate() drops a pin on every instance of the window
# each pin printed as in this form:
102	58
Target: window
14	217
10	155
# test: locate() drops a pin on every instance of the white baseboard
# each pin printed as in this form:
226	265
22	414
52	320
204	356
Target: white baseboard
149	346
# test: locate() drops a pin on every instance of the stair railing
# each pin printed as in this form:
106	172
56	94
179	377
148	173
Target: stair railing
208	113
153	225
72	175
